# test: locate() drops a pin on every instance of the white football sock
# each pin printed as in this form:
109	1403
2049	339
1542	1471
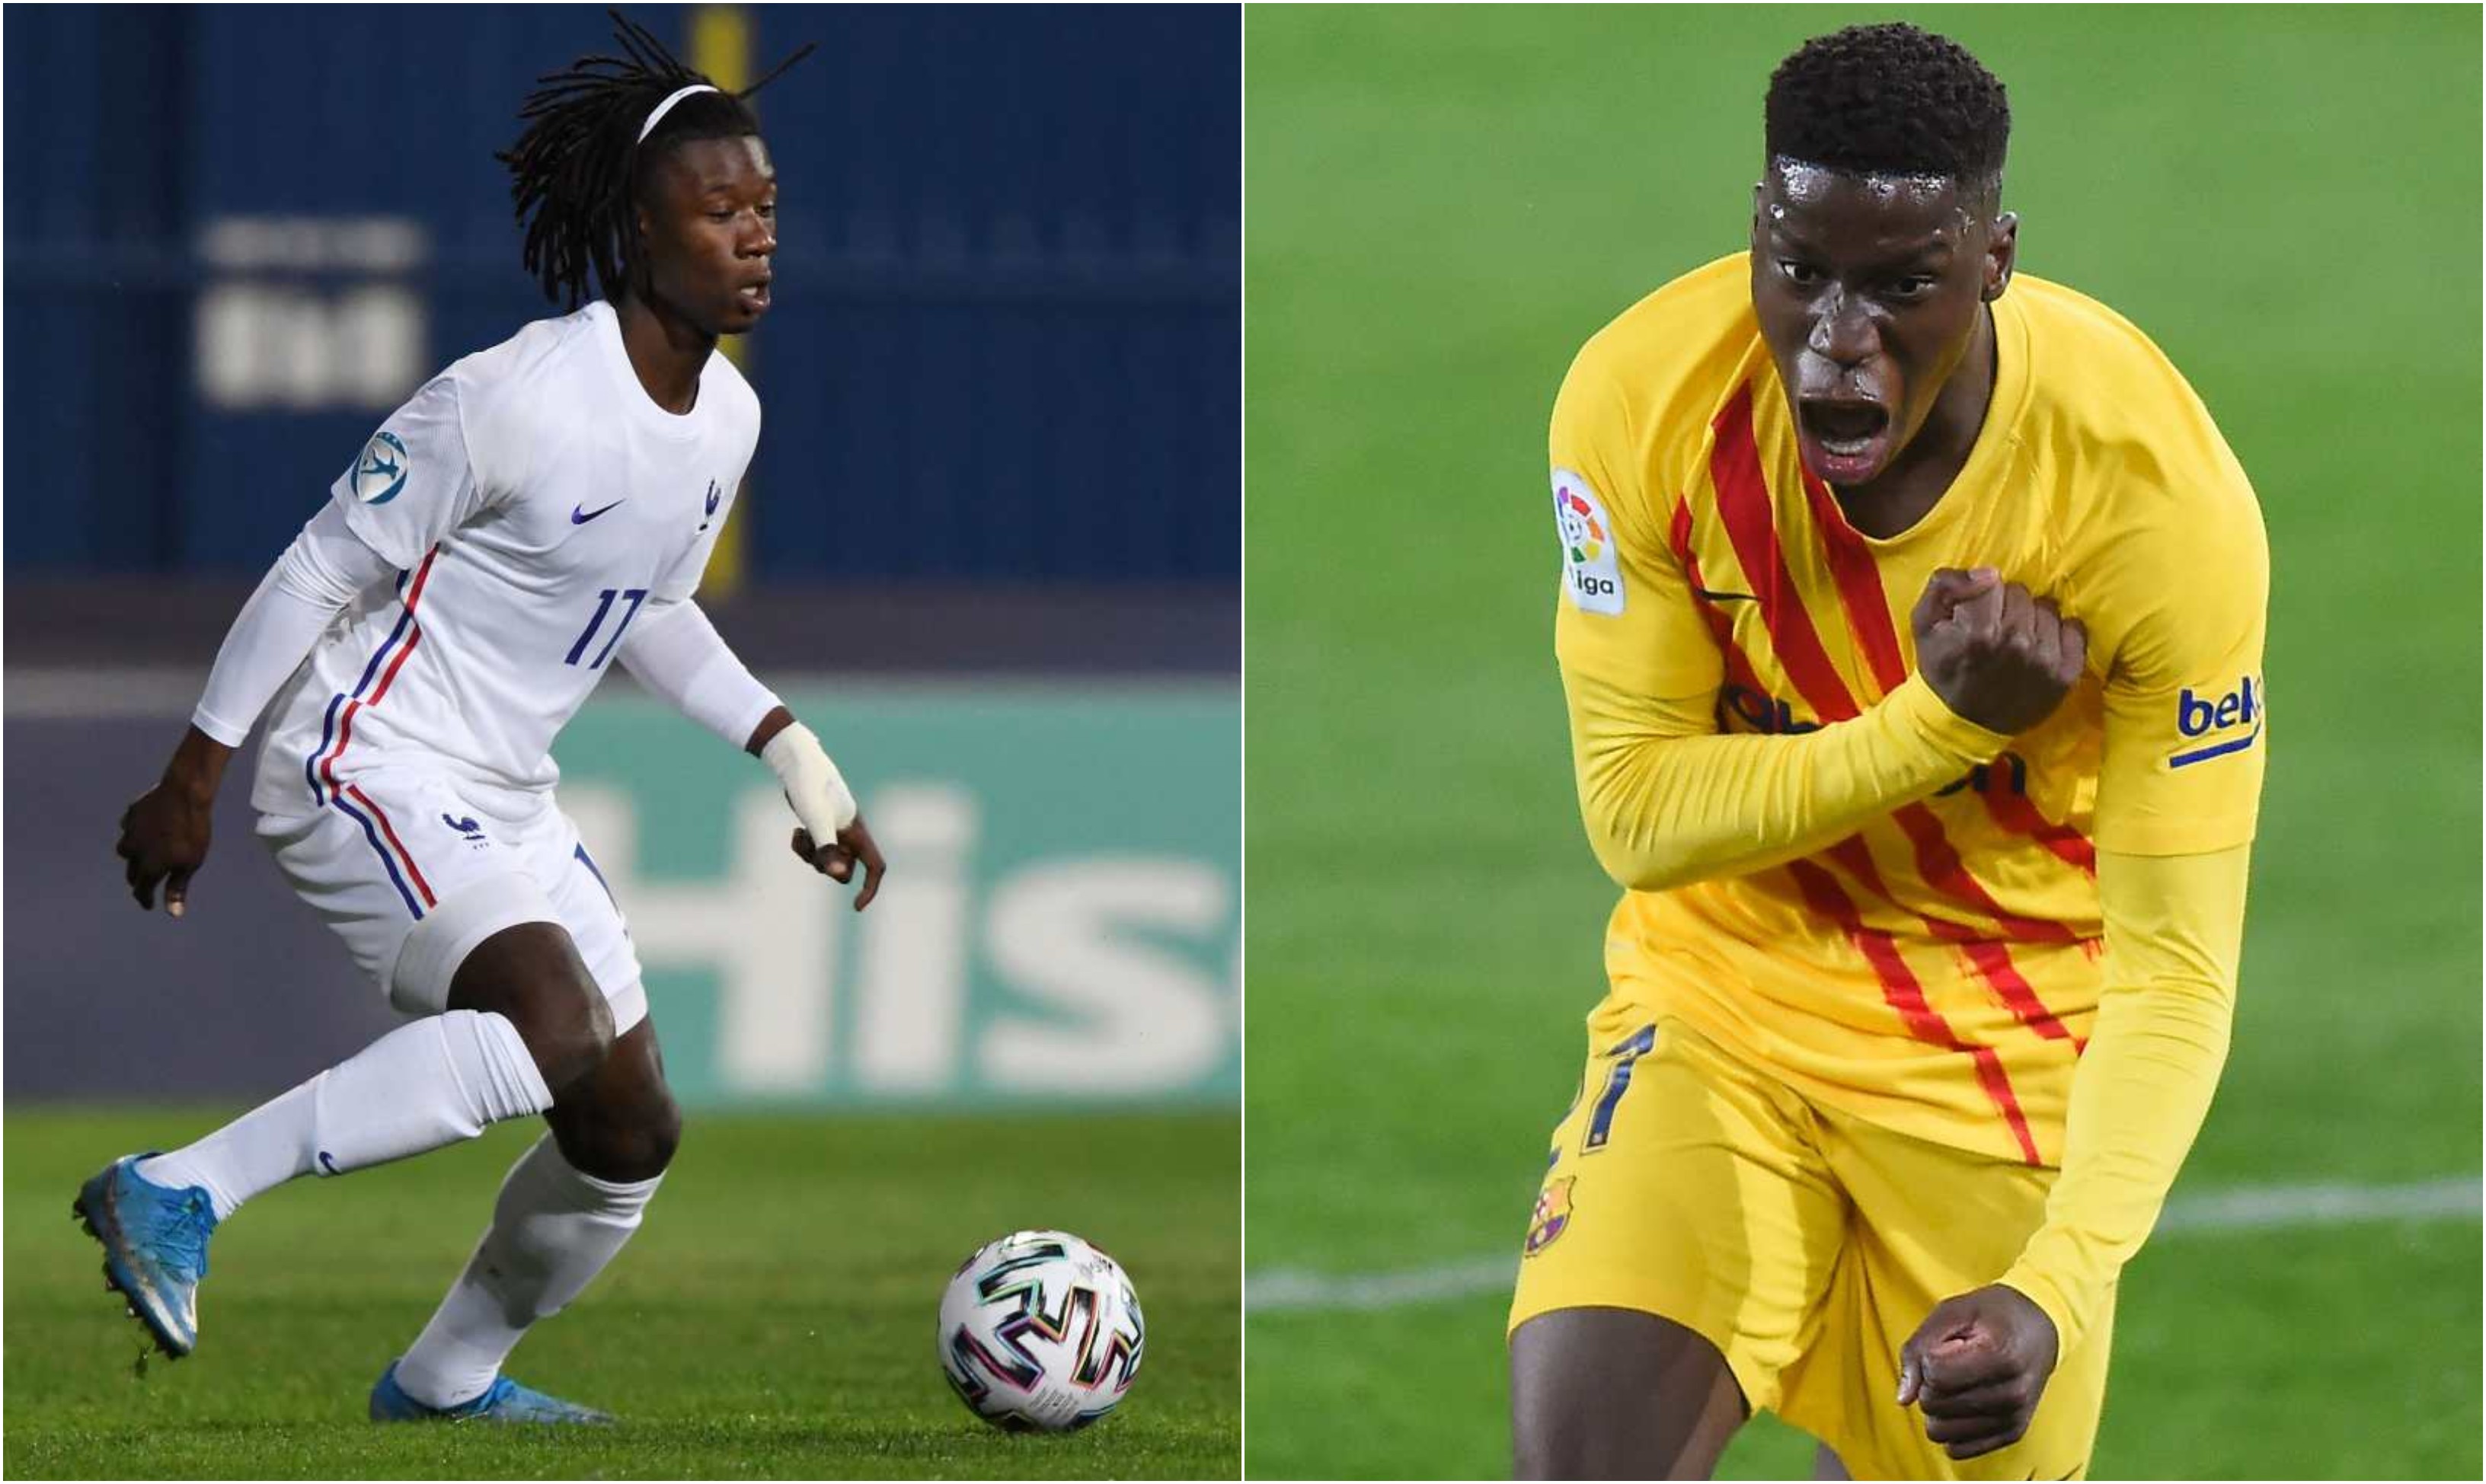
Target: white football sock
418	1087
553	1230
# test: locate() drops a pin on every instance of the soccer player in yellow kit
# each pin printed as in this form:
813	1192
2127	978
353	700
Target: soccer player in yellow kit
1910	632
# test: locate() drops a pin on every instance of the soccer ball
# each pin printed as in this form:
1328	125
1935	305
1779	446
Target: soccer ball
1040	1330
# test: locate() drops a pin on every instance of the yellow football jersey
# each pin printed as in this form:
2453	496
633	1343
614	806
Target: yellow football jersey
1936	970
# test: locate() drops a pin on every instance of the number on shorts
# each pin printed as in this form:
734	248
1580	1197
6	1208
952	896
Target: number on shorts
1601	1120
633	596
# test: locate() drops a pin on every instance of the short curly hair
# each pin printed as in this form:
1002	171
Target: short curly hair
1890	99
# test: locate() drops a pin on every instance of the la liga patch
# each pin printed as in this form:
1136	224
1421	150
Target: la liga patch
1593	573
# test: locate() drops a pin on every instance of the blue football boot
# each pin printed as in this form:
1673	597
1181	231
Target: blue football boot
154	1248
503	1401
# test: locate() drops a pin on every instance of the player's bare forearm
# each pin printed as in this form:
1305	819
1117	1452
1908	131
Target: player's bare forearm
775	721
198	765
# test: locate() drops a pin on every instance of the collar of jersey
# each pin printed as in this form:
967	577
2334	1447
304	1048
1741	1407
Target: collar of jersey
605	326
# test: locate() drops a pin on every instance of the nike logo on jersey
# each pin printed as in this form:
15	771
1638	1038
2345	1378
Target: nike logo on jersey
579	515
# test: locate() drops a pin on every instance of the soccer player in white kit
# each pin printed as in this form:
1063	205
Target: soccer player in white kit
538	512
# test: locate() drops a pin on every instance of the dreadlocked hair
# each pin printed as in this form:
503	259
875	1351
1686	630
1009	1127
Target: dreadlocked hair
577	171
1890	99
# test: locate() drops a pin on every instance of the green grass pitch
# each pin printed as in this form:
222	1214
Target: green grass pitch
774	1317
1441	206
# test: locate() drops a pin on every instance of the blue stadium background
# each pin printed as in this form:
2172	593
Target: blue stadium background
1006	342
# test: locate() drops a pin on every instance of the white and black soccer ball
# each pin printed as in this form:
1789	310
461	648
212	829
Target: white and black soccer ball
1041	1332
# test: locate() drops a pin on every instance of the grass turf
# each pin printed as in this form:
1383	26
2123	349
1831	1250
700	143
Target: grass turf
774	1318
1442	204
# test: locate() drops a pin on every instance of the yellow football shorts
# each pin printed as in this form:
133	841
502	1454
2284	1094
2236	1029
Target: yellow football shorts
1806	1245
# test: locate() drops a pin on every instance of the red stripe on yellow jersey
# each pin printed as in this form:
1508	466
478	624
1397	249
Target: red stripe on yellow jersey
1938	969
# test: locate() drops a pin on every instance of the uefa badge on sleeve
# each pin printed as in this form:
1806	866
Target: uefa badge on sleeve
380	472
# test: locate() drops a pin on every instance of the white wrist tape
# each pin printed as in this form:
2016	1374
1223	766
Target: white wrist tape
812	784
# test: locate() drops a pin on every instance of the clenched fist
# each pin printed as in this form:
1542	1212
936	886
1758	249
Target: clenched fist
1996	655
1976	1367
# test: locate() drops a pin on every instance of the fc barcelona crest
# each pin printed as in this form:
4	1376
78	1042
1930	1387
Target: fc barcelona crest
1553	1215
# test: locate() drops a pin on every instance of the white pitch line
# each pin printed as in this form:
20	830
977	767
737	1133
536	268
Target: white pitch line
2255	1208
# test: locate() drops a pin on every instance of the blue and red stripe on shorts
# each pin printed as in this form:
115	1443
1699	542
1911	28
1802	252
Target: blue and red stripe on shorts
337	732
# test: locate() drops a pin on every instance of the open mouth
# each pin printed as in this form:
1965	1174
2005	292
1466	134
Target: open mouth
1846	440
753	296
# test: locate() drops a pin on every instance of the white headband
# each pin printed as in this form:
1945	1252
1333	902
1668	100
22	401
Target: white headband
665	107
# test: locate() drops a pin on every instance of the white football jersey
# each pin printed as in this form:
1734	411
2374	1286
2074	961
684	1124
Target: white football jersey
535	499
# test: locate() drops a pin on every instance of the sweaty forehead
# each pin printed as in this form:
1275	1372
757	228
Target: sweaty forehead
1802	197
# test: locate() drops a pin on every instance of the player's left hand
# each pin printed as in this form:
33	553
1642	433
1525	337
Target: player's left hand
837	860
1976	1367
